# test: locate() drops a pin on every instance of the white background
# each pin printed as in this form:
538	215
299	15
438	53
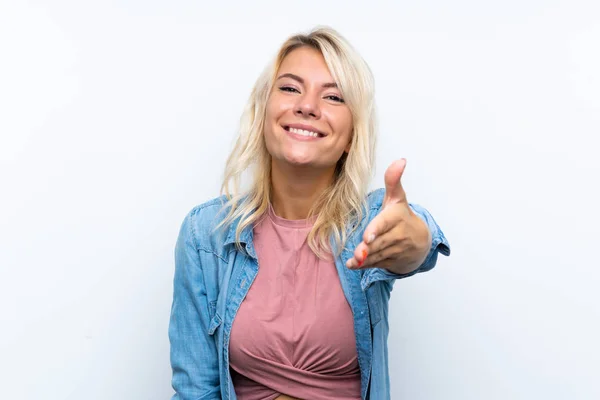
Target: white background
116	118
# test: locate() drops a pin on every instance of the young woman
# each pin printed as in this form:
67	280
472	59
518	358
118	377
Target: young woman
281	290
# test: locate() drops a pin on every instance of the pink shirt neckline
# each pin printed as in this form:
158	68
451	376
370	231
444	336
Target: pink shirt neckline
290	223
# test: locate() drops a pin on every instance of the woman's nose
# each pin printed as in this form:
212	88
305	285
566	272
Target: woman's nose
308	107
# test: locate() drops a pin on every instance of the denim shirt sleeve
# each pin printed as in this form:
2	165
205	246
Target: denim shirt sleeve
193	352
439	244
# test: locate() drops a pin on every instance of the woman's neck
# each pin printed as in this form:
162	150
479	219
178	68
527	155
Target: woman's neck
295	189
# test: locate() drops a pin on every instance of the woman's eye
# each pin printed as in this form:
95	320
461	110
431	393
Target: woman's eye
335	98
288	89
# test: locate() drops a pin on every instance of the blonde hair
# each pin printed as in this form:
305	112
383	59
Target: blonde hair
343	202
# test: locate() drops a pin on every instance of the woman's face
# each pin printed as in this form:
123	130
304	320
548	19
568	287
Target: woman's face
307	122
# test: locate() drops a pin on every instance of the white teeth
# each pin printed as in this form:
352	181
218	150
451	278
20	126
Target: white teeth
303	132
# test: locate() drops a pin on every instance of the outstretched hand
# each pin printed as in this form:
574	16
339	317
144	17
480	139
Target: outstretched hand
396	239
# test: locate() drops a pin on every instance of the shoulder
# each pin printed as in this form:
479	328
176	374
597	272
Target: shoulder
206	212
375	199
209	207
370	208
203	220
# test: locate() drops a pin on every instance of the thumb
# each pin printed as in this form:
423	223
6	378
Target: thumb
394	192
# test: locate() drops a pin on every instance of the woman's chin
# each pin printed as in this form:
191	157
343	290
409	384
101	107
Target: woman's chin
299	160
300	163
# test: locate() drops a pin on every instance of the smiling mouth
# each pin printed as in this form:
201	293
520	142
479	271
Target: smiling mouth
303	132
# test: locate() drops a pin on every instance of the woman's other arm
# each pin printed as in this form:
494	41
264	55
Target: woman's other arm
193	351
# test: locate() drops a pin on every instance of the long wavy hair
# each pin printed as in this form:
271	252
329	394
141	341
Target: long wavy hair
343	203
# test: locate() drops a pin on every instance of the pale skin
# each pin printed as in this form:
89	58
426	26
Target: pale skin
305	94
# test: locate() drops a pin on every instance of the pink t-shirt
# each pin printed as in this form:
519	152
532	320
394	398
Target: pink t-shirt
294	332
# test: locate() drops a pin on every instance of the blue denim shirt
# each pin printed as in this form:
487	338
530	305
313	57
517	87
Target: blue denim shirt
212	278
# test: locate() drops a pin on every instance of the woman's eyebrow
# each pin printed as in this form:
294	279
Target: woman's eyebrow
301	81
